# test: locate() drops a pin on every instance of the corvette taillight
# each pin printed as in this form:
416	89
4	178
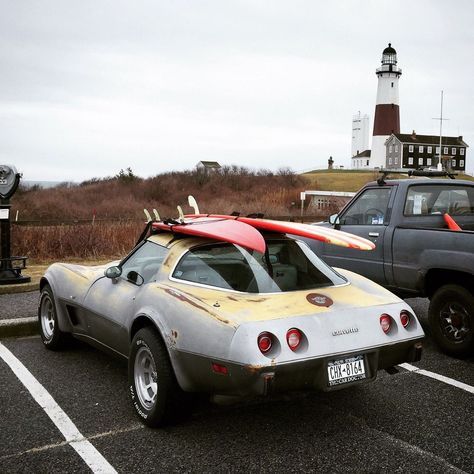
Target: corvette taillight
405	318
265	342
385	323
293	338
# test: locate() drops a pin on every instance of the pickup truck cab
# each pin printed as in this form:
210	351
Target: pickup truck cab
416	254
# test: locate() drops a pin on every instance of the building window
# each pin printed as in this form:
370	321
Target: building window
410	148
453	151
453	163
428	161
390	148
461	151
392	84
367	162
437	150
396	148
461	163
420	149
410	160
430	149
445	150
420	161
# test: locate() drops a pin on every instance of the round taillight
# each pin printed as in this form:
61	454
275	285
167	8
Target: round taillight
265	342
405	318
293	338
385	323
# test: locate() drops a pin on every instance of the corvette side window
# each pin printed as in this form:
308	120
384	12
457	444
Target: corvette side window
145	262
370	208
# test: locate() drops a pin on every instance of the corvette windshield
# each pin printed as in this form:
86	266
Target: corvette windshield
289	265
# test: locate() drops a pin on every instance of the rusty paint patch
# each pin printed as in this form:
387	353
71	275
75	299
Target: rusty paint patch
182	297
319	300
254	368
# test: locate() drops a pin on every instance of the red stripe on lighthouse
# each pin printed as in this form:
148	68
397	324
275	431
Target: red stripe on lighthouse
387	119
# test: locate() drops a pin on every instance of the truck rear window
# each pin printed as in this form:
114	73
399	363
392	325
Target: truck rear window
439	199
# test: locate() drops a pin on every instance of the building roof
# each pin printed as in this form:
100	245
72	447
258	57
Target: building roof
414	138
210	164
363	154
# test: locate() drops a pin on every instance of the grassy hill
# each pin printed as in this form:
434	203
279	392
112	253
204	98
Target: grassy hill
348	180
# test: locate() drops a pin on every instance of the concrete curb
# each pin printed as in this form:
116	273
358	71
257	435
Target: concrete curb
18	327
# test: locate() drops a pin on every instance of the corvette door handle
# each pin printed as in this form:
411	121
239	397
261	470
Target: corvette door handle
373	234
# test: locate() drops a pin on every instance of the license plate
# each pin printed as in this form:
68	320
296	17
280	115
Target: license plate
3	181
346	370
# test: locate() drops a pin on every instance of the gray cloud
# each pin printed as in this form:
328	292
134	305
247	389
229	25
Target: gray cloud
87	88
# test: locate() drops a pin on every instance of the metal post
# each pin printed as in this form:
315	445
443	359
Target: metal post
440	165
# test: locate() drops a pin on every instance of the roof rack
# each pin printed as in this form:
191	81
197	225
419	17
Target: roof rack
414	172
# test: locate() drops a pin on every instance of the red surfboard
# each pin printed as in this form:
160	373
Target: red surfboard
227	230
324	234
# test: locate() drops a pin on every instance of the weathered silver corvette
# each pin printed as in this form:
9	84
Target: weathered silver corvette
197	315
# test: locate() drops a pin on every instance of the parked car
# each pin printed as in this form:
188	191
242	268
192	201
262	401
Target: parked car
198	315
416	253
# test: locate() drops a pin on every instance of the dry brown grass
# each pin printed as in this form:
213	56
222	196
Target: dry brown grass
84	242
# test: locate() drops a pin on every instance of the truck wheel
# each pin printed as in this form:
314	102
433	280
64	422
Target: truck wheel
156	395
53	338
451	316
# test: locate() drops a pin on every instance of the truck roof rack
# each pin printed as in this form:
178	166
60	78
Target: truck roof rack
414	172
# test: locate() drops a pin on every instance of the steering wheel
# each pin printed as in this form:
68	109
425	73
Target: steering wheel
372	211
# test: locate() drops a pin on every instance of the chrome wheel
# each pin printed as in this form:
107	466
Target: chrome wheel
47	317
454	319
145	377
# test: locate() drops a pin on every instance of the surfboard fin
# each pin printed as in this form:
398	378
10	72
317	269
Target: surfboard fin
147	214
193	203
181	214
157	216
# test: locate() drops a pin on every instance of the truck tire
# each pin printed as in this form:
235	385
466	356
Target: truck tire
451	316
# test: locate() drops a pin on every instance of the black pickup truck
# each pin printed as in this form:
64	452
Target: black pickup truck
416	253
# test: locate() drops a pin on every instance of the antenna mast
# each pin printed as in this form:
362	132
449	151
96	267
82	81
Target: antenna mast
440	166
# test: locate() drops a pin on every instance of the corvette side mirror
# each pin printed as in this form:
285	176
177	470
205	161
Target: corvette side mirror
113	272
334	219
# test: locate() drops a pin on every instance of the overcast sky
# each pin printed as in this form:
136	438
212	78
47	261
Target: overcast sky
90	87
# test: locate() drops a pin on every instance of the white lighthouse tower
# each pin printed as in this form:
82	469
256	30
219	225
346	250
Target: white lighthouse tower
387	110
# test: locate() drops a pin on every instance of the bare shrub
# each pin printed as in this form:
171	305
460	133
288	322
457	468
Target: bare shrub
86	241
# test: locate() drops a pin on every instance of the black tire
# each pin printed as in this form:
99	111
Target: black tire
156	395
451	316
53	338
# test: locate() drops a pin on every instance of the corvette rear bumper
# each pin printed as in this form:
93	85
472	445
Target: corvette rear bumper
197	373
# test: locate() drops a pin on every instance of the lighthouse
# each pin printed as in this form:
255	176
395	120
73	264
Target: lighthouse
387	110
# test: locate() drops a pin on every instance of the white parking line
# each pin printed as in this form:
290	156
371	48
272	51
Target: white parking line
441	378
85	449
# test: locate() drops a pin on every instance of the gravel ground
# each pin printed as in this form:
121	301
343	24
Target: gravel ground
19	305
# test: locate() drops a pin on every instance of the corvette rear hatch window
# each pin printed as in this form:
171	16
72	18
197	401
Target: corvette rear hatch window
288	266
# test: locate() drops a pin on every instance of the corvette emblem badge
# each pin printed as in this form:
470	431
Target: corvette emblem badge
319	300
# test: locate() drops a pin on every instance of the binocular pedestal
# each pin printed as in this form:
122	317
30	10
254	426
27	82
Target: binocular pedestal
10	267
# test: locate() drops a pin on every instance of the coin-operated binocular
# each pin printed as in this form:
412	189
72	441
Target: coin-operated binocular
10	267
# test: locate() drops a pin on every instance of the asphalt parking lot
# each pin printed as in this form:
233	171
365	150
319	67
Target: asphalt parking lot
400	423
